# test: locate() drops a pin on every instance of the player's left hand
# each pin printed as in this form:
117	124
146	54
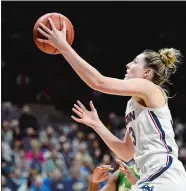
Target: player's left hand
54	37
89	118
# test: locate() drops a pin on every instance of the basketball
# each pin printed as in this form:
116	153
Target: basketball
58	19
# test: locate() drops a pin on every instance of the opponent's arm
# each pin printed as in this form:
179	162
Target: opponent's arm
93	186
112	183
100	174
127	172
109	186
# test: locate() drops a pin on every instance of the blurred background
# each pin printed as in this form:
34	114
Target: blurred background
42	148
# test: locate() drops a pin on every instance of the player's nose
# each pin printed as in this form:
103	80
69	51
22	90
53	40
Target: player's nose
128	66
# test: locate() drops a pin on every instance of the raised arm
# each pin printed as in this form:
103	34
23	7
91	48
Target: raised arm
94	79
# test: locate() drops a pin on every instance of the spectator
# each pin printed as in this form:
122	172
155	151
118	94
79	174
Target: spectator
39	185
60	182
7	132
55	160
59	156
17	178
4	184
27	120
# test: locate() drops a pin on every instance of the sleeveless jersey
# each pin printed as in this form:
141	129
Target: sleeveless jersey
122	183
150	130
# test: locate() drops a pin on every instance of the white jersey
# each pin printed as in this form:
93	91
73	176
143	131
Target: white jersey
150	130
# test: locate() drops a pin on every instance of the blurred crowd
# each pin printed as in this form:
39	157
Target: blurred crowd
57	156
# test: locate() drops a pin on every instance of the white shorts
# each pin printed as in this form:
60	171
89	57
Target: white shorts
156	176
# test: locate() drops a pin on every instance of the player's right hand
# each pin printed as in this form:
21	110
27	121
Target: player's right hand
54	37
101	173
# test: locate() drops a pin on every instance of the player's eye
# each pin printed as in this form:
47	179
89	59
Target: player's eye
135	61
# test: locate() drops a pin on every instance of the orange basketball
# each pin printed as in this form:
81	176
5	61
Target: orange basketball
57	18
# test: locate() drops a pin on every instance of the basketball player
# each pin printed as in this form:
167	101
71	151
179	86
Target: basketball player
150	137
121	180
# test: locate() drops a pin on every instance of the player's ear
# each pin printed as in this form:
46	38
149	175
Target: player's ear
148	73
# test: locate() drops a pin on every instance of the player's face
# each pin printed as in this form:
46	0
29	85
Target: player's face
135	69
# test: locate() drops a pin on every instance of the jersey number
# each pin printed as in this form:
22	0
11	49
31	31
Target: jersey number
131	131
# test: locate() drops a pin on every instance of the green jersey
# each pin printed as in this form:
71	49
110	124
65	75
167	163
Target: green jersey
122	183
